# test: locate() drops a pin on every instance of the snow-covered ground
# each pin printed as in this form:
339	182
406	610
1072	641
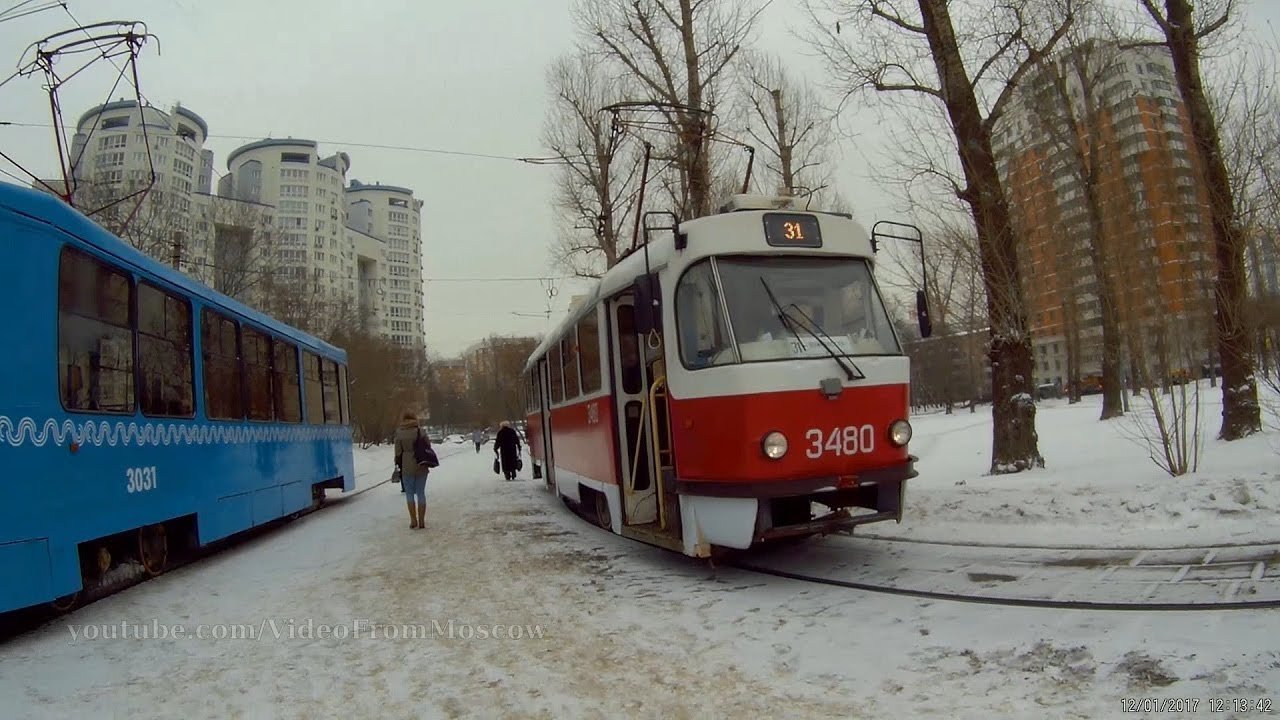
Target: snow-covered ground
607	628
1099	488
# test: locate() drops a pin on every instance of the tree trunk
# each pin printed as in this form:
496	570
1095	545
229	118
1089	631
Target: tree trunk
1241	415
784	147
696	143
1112	393
1015	446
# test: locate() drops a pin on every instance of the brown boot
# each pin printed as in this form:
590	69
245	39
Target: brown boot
413	515
422	515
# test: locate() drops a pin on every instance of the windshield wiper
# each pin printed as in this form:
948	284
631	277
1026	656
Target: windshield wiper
783	318
849	372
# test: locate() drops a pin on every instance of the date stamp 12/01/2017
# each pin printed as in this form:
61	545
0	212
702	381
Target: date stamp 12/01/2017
1262	705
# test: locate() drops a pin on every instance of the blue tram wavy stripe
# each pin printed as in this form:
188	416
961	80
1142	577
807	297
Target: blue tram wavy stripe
29	431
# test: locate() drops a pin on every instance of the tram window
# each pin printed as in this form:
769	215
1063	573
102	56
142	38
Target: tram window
589	353
95	340
704	341
166	385
569	356
257	374
343	400
286	395
553	369
223	398
332	413
629	350
313	387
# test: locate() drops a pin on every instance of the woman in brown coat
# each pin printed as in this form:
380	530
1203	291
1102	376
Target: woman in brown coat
413	476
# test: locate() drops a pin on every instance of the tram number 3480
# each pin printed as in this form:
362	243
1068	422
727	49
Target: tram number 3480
850	440
141	479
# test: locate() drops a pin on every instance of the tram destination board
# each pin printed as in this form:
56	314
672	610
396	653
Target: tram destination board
791	230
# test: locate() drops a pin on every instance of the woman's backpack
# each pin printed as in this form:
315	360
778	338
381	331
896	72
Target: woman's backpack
422	452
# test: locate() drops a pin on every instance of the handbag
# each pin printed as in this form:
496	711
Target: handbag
519	463
423	453
497	468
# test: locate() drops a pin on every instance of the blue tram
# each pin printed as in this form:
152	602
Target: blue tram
140	410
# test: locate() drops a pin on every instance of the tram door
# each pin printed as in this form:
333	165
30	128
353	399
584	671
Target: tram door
639	493
549	458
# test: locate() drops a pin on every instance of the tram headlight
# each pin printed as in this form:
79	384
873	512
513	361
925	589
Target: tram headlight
774	445
900	432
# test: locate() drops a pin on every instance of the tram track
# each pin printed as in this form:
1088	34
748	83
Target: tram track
1236	577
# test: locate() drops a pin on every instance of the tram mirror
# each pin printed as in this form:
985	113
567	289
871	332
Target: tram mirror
648	303
922	314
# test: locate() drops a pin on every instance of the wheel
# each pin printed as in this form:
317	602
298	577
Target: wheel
153	548
603	518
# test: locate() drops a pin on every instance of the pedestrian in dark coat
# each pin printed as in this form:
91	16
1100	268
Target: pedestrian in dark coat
507	447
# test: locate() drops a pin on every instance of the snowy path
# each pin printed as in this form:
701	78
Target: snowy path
626	630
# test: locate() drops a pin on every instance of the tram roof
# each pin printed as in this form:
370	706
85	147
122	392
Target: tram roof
51	210
660	252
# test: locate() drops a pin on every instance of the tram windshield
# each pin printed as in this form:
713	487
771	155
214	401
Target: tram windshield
831	296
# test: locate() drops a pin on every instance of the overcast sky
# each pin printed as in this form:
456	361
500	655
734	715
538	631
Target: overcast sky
463	76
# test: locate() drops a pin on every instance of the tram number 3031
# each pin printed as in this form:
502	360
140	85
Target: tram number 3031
141	479
850	440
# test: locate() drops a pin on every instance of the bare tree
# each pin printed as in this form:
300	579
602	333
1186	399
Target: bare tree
384	381
494	387
1166	423
236	252
1080	147
679	53
596	183
1246	103
948	367
783	116
976	70
156	221
1183	33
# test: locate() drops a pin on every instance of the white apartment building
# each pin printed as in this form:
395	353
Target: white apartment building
392	214
114	152
359	245
307	193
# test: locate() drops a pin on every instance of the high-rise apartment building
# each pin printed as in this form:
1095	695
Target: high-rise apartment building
394	215
1132	132
282	209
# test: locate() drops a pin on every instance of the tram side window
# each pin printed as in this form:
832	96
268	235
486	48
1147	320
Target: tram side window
589	353
553	369
704	339
223	399
313	387
257	374
343	400
286	398
95	339
167	383
569	356
332	413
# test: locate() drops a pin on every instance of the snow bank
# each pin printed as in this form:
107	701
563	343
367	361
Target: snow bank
1099	487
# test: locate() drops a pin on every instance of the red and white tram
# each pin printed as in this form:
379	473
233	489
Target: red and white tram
733	381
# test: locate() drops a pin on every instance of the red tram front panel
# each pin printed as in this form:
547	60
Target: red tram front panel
718	438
